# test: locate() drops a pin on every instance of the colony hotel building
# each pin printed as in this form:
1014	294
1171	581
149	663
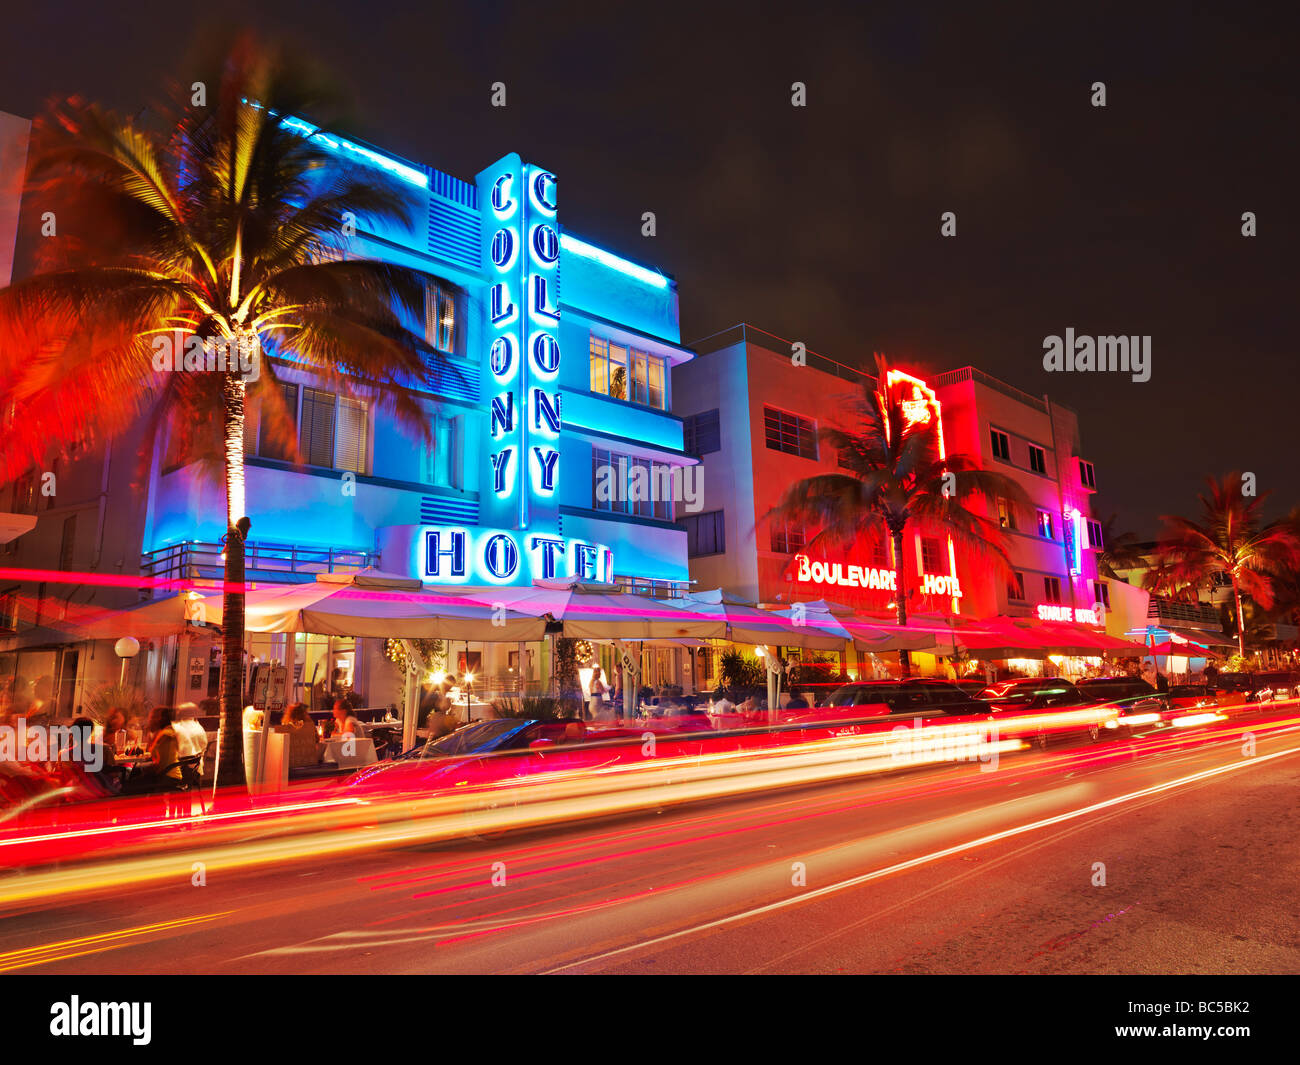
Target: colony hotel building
554	357
753	415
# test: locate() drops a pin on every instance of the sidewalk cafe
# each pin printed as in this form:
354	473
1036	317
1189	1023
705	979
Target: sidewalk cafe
377	640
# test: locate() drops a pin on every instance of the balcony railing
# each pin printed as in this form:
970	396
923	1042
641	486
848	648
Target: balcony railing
289	563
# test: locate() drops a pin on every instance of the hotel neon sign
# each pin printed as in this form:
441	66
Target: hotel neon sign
1078	614
524	350
853	576
464	555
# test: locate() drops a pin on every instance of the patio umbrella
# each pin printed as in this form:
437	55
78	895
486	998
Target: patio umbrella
747	623
590	612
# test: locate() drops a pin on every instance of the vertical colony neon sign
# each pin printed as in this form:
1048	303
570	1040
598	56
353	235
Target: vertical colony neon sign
523	363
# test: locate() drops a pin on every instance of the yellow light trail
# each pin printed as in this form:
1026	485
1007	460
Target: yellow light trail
79	948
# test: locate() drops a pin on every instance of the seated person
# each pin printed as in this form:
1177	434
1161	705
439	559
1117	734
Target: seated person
192	736
439	720
304	740
797	701
343	722
164	753
574	732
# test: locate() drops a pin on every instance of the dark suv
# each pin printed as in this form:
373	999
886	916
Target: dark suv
1032	696
920	695
1137	702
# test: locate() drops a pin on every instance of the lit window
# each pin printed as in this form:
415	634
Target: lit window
1006	514
440	315
611	365
353	436
1045	527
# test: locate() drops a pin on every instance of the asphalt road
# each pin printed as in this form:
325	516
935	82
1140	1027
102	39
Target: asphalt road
1171	854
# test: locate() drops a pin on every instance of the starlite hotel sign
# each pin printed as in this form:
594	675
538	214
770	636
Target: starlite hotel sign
518	538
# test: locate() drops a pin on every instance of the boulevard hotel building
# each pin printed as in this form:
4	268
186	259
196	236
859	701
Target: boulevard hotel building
752	413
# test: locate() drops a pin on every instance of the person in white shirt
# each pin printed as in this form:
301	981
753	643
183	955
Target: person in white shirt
191	736
723	705
597	689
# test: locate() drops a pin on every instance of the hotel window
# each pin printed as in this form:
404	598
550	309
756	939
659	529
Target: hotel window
787	538
608	476
441	467
25	493
316	427
68	545
351	440
1052	589
879	555
790	433
1094	534
1037	459
1006	514
628	374
1001	445
619	477
1016	588
440	315
705	534
1087	475
268	448
1101	593
931	555
1045	527
701	433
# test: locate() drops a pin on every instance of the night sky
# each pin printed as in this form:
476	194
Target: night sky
821	224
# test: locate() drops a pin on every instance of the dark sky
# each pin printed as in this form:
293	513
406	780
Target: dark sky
821	224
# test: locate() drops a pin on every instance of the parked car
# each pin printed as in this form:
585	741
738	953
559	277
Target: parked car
919	695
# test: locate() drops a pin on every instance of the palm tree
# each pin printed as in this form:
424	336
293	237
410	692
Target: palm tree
1119	551
224	223
895	475
1231	540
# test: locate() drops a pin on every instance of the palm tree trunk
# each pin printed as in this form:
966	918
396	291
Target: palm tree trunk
1241	621
900	600
229	770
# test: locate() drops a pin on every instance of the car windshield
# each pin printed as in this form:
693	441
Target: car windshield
485	736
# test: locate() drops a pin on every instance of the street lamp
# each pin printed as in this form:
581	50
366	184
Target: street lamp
126	648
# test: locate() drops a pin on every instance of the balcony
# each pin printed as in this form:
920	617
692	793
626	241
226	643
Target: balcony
273	563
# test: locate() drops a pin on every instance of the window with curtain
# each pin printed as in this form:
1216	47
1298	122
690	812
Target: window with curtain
440	317
316	430
267	448
353	435
627	373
